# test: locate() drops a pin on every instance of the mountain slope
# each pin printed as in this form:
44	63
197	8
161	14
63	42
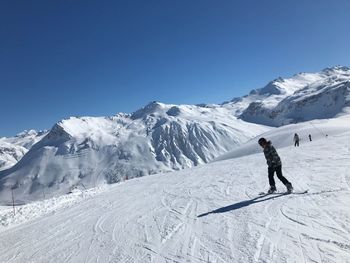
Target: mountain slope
10	154
87	151
305	96
12	149
211	213
318	129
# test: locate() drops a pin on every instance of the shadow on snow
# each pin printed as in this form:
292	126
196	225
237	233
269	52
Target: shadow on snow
262	199
242	204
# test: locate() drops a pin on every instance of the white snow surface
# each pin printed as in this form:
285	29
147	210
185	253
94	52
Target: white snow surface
210	213
318	129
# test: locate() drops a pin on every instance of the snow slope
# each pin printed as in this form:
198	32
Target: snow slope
12	149
89	151
210	213
318	129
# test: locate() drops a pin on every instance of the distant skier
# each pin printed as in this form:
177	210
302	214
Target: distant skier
274	165
310	138
296	140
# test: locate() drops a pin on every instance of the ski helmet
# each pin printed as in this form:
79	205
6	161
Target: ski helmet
262	141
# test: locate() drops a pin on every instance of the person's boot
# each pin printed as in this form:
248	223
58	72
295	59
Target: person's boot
289	187
271	190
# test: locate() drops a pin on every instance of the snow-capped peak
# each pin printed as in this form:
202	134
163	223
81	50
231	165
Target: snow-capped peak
274	87
153	107
301	97
337	69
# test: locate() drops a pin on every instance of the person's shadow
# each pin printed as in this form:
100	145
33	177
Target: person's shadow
242	204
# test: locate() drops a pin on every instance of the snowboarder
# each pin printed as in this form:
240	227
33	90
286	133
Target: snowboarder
274	165
310	138
296	140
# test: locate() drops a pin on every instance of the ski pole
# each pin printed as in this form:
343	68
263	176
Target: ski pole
13	203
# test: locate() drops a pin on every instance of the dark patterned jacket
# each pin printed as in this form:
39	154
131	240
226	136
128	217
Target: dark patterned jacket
272	158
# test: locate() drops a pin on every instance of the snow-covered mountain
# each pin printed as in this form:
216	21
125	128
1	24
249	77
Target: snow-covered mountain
12	149
10	154
88	151
303	97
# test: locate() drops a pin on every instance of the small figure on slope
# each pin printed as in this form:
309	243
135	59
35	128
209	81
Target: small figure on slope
310	138
296	140
274	165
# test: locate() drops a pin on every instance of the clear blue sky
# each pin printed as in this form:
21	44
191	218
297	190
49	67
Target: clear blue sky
96	58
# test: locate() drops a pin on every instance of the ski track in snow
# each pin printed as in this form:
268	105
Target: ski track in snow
211	213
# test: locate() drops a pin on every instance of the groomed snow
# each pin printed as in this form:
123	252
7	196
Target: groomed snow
211	213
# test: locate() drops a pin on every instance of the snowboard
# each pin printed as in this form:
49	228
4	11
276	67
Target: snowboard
286	193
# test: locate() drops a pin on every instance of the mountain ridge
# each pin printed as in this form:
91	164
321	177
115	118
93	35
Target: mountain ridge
296	99
88	151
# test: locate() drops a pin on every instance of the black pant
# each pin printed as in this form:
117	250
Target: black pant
296	143
278	170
